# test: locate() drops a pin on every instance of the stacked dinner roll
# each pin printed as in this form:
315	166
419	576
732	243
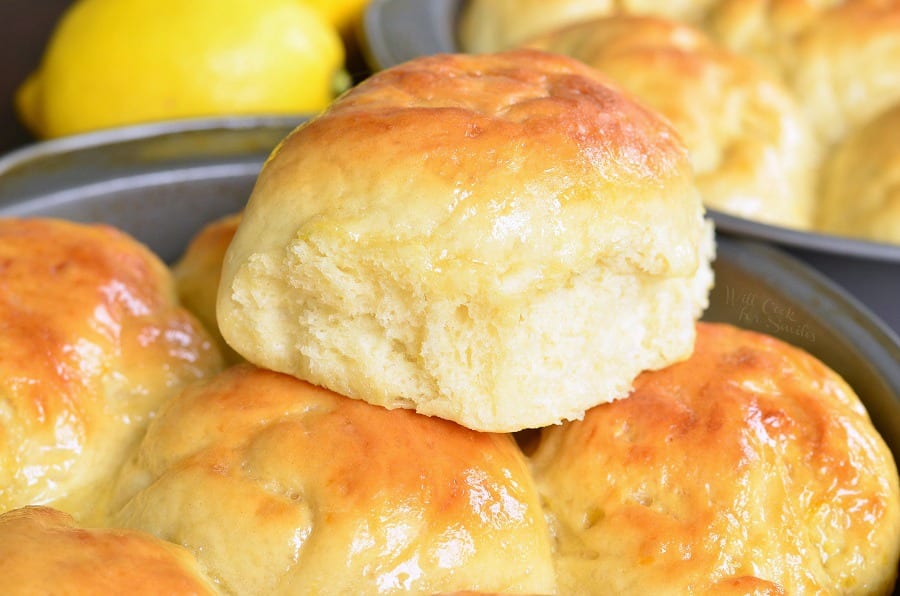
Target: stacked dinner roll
93	341
281	487
463	304
520	241
833	66
752	149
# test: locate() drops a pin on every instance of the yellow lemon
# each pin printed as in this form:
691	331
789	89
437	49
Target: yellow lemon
115	62
343	14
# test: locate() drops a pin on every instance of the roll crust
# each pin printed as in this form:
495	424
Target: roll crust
845	67
750	464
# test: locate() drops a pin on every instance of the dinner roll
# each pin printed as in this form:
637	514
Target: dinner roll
197	275
751	147
840	59
501	240
762	29
845	67
92	341
861	182
492	25
281	487
42	551
750	468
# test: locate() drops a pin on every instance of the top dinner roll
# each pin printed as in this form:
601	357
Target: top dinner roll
501	240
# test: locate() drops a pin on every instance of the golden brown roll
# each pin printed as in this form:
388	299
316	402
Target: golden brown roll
492	25
751	147
281	487
840	59
197	275
861	182
42	551
501	240
92	341
749	468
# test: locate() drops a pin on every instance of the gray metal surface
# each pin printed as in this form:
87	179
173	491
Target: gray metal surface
155	181
399	30
162	183
869	270
395	31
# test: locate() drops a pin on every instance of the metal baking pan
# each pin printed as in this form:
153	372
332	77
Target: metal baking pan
161	183
156	181
395	31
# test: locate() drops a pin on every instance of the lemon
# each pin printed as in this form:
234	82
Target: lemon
115	62
343	14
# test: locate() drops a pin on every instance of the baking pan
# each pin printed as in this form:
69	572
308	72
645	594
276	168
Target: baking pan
395	31
156	181
161	183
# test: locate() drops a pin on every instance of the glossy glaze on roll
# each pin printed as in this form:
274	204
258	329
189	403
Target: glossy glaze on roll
280	487
92	341
749	468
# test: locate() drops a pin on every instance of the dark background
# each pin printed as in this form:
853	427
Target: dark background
25	26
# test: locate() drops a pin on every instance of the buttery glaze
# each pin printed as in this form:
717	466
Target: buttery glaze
92	341
279	486
751	463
